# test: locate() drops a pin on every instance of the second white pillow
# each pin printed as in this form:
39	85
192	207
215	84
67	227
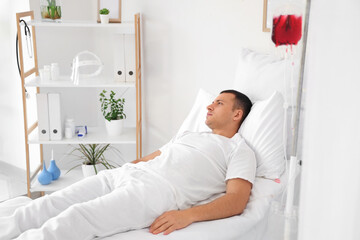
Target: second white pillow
263	131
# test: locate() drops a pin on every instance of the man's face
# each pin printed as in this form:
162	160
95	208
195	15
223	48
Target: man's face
221	112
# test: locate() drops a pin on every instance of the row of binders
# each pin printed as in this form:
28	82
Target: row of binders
124	57
49	116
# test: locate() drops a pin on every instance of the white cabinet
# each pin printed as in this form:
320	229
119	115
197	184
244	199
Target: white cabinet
30	79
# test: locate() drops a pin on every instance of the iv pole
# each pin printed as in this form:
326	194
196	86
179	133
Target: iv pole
293	158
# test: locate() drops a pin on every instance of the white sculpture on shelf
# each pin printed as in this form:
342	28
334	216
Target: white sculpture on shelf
90	64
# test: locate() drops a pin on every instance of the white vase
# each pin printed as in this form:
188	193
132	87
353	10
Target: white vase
88	170
104	19
114	127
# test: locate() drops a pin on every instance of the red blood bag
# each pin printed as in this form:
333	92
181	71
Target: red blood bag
286	29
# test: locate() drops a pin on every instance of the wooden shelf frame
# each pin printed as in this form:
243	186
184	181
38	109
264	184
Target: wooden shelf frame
124	28
24	75
138	87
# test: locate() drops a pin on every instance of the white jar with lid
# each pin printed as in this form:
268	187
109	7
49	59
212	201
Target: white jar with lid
47	73
69	128
55	71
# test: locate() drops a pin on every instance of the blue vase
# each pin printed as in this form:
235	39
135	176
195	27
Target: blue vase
54	170
45	177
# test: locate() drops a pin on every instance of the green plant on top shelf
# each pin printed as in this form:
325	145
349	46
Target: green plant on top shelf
104	11
52	10
112	108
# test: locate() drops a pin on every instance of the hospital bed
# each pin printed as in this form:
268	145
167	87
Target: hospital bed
261	77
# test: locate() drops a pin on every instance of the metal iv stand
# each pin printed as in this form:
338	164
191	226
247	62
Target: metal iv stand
293	159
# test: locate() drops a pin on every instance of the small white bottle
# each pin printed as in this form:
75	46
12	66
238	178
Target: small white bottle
41	74
47	73
69	128
55	71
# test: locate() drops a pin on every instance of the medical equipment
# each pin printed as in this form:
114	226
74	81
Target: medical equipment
29	47
46	74
90	66
28	42
287	31
44	177
53	168
69	128
55	71
81	131
287	24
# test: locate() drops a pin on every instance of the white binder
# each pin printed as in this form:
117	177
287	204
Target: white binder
54	116
43	116
119	57
130	57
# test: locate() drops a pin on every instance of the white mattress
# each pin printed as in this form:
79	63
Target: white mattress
251	225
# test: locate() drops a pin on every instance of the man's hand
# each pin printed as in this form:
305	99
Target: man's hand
232	203
171	221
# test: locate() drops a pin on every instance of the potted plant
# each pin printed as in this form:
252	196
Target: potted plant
113	112
50	9
93	159
104	15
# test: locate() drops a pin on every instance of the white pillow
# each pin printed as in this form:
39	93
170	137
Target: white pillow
258	75
195	120
263	132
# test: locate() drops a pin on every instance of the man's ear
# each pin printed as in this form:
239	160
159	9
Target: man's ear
238	114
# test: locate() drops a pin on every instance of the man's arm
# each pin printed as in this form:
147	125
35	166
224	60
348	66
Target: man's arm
232	203
148	157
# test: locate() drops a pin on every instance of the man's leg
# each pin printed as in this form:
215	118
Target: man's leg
134	204
34	214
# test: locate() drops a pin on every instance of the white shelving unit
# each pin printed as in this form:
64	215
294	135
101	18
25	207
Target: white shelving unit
65	81
66	179
125	28
95	134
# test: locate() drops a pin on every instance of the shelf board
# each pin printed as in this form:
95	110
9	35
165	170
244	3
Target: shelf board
65	179
94	135
126	28
65	81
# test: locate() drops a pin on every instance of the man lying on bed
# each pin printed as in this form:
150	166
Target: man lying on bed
159	191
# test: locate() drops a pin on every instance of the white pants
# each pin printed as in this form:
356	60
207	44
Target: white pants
113	201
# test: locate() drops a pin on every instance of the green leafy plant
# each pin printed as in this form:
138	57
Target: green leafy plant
51	10
91	154
111	108
104	11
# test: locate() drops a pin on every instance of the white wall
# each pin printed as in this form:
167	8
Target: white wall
12	145
330	193
188	45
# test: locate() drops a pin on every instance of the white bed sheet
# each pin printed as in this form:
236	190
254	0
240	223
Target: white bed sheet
251	225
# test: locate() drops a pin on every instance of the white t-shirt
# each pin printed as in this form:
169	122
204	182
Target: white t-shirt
197	165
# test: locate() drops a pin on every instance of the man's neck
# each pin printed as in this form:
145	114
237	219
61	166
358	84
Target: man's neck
228	134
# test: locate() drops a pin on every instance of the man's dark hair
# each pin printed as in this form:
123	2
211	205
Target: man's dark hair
241	101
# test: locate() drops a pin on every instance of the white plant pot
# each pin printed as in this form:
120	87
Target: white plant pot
88	170
114	127
104	19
